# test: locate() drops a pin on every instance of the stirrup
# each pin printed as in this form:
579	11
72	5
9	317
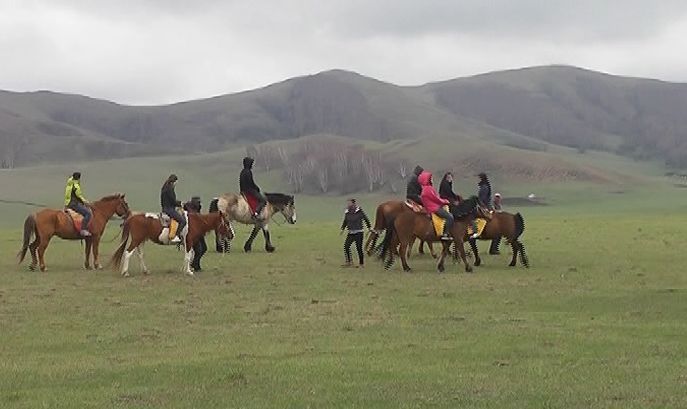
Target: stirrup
446	237
175	240
85	233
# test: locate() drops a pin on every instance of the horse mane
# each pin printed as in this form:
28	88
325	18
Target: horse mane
465	207
114	196
279	199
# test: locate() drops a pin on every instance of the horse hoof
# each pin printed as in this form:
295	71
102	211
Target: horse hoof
511	265
478	263
270	249
190	273
87	267
468	269
440	269
98	267
407	269
146	272
32	268
125	274
44	269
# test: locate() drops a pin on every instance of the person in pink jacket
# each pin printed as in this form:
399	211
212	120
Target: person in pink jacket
435	204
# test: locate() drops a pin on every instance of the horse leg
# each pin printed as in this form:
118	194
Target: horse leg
249	243
41	251
371	243
142	263
410	247
135	242
188	257
475	251
431	250
461	252
403	253
515	247
96	251
34	256
268	242
87	263
421	247
523	257
445	248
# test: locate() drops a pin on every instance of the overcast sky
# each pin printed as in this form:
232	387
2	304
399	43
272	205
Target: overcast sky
162	51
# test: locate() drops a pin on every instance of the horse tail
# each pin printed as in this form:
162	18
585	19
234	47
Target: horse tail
116	260
29	230
519	225
384	249
379	226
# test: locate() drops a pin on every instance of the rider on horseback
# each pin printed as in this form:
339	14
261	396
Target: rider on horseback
74	199
435	204
484	195
247	186
446	189
413	190
169	203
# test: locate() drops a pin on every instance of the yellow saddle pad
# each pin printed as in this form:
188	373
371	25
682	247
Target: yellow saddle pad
480	226
173	226
438	223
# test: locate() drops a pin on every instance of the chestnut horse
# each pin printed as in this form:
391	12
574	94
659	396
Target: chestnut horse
508	225
52	222
385	212
236	208
141	227
407	225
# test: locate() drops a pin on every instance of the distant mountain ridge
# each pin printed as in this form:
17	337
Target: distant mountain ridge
559	105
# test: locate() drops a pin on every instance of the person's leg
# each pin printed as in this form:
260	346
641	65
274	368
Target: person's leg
444	214
86	213
178	217
261	202
347	249
359	247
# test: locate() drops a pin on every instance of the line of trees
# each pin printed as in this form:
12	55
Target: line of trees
330	166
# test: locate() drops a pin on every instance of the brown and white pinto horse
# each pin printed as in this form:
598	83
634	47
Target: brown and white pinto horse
236	208
52	222
141	227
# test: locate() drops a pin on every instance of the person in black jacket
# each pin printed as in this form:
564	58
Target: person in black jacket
247	186
484	190
354	217
413	190
446	189
199	249
169	203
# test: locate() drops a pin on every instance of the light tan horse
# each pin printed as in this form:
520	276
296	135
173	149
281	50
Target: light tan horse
141	227
52	222
236	208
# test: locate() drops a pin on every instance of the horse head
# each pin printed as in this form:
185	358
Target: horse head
284	204
225	230
122	209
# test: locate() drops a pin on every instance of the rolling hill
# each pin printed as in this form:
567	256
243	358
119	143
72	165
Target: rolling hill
531	109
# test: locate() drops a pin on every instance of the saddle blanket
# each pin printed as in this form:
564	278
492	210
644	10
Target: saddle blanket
439	224
251	200
77	219
415	207
169	226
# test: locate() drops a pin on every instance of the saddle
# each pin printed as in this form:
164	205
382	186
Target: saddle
77	219
251	200
169	226
417	208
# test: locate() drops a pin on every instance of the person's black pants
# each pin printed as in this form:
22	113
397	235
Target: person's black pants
358	239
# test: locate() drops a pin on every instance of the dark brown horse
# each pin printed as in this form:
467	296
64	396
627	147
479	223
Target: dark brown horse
408	225
52	222
508	225
142	227
387	211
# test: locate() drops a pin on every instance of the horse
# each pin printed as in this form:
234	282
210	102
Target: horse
403	229
508	225
53	222
236	208
141	227
387	211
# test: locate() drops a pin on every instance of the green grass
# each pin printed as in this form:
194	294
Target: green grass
597	322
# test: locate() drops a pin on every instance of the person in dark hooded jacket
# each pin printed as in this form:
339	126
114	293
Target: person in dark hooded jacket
414	190
201	247
247	186
446	189
169	203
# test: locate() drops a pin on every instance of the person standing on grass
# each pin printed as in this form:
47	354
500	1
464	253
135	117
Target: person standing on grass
354	217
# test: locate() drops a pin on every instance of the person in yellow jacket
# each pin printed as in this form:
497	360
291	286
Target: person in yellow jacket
75	200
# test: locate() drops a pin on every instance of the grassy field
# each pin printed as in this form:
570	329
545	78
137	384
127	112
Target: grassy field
597	322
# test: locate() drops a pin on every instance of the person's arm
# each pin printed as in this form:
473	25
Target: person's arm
78	193
343	224
251	182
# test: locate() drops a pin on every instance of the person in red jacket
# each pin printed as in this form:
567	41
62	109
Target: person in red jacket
435	204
